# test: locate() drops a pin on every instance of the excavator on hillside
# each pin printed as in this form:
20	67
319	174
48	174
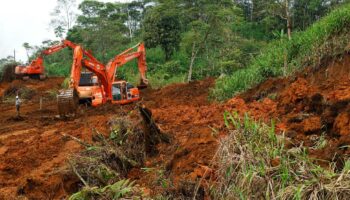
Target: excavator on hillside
36	68
104	88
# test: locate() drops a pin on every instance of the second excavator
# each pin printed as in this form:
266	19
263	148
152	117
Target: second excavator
108	88
36	68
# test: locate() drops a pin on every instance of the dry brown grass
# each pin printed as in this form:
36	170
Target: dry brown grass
103	166
254	164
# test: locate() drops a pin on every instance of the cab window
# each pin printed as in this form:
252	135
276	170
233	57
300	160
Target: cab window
116	92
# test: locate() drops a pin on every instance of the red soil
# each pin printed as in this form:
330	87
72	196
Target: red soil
33	152
183	112
307	105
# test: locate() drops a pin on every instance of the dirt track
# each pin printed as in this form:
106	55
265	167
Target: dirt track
33	152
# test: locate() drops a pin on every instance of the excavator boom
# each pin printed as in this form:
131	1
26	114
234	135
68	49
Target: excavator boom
123	58
67	100
36	67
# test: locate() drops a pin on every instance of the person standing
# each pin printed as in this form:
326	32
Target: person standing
18	105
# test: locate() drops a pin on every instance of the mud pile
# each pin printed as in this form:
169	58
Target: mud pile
183	112
312	105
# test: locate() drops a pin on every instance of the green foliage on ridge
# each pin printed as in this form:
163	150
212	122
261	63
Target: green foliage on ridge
190	40
326	38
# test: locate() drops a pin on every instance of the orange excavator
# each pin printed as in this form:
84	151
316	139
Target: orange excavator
36	68
104	88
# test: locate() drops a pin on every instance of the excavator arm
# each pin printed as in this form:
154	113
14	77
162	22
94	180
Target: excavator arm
125	57
36	67
67	99
98	69
56	48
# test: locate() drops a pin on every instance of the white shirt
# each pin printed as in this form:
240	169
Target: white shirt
18	102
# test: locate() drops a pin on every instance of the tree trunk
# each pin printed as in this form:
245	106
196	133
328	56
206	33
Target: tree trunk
252	12
194	52
129	26
289	23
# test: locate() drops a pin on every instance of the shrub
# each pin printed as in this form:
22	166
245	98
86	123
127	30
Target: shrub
8	72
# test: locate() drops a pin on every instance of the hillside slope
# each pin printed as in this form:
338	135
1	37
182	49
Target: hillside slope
307	107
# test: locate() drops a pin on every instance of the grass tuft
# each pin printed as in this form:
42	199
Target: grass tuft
254	164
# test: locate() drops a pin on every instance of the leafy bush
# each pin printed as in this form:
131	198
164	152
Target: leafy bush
103	166
7	71
326	38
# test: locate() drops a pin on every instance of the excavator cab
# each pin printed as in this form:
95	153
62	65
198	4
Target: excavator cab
123	93
89	89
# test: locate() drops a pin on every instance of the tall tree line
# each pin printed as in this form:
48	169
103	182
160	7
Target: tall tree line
198	38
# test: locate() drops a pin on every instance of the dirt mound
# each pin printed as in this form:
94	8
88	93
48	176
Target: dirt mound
183	112
31	87
194	93
23	91
311	106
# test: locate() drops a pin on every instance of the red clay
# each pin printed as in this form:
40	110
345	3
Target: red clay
312	103
33	152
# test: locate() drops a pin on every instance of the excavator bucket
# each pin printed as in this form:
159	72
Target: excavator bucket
67	102
142	85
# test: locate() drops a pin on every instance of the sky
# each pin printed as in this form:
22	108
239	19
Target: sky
26	21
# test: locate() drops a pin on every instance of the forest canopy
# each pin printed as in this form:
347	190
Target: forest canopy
185	39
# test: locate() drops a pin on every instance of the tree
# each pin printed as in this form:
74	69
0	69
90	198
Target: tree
101	27
134	11
209	31
63	16
59	31
162	27
28	49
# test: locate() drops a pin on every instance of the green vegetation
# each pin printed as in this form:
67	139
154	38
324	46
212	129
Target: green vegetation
188	40
326	38
242	40
7	66
118	190
254	163
54	65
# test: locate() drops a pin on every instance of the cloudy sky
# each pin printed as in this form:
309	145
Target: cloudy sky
26	21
